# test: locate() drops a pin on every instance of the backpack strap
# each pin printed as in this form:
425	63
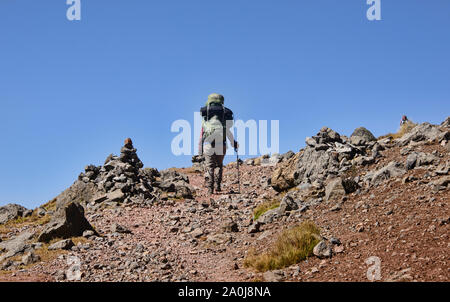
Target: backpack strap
224	126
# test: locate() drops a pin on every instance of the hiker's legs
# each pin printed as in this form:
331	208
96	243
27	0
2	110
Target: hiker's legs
210	165
219	170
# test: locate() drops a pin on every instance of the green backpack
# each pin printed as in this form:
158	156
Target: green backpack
215	117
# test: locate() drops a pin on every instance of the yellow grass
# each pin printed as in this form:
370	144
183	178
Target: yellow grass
291	247
404	129
264	207
23	221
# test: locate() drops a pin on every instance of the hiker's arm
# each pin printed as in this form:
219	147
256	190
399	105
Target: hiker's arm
230	136
200	143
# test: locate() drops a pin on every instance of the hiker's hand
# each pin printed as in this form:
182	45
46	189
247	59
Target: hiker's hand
236	146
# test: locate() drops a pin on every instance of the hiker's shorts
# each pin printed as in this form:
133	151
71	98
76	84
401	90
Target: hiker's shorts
213	164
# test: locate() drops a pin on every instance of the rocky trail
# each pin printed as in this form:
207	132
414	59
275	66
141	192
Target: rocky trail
386	198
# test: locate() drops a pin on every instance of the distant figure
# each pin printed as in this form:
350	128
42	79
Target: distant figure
213	144
128	142
404	120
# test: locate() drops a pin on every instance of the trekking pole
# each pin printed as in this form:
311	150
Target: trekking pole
238	174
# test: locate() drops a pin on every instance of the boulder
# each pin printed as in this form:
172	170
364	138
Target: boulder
322	250
269	216
393	169
272	160
16	245
339	187
320	159
442	182
422	132
249	162
30	258
11	212
286	156
411	161
287	204
175	182
334	191
116	196
284	177
79	192
67	222
418	159
65	244
350	185
362	136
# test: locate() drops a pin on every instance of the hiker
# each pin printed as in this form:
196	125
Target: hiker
216	123
404	120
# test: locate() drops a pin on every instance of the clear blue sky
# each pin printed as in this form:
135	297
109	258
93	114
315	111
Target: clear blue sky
70	92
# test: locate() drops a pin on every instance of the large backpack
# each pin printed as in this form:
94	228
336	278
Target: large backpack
216	119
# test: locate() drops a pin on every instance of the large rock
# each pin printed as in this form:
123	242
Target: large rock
269	216
272	160
17	245
284	177
442	182
10	212
320	159
362	136
334	191
339	187
30	258
393	169
287	204
80	192
418	159
322	250
175	182
423	132
65	244
68	222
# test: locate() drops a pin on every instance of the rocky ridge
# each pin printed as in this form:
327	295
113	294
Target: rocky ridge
386	198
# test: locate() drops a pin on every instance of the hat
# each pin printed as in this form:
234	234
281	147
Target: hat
215	98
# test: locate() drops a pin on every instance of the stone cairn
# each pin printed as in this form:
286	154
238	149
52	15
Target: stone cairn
122	176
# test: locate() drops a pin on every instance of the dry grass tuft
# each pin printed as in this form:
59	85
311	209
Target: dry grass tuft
404	129
292	246
34	219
